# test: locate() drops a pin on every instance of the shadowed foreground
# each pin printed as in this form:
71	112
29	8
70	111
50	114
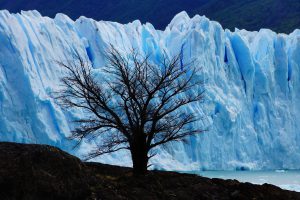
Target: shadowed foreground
45	172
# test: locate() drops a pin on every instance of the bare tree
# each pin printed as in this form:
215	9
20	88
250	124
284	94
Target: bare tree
137	107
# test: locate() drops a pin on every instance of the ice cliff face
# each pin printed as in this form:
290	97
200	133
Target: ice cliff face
252	107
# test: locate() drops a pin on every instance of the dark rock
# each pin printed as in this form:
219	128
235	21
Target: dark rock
40	172
45	172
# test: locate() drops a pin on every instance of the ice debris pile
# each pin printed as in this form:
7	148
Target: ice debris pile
252	83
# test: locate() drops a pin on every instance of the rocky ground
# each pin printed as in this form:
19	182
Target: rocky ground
45	172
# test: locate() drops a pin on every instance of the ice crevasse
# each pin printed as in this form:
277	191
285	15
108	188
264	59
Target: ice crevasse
251	107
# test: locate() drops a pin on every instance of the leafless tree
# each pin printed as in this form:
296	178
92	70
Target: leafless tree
138	106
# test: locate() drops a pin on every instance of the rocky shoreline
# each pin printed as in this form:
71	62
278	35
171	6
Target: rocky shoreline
29	171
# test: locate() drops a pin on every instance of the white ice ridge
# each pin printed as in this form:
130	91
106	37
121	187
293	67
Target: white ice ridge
252	106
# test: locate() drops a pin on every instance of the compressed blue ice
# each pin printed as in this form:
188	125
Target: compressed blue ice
252	82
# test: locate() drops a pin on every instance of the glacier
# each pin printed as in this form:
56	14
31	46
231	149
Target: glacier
251	107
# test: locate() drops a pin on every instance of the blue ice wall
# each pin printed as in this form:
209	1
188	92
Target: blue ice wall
251	81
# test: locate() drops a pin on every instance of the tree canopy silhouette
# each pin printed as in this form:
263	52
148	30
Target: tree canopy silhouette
138	106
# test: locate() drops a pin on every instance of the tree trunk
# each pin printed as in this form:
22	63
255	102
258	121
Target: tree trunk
139	155
140	163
